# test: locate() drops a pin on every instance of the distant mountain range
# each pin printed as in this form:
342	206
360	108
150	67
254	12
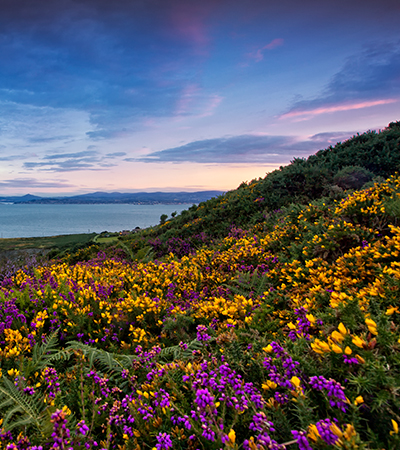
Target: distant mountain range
143	198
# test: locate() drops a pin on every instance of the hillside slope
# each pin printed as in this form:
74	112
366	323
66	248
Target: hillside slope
328	173
282	336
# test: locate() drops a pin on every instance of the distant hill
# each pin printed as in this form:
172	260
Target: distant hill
23	199
148	198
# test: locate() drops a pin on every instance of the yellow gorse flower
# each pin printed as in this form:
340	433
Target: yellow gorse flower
313	432
335	348
336	430
232	436
342	329
269	385
295	381
395	428
349	433
360	359
66	410
372	327
338	337
358	341
359	400
320	347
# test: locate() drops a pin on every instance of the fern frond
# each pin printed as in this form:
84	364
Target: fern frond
41	352
58	356
16	402
144	255
192	346
246	283
169	350
177	352
108	361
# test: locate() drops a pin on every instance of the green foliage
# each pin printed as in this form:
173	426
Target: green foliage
250	285
300	280
178	327
110	363
177	352
163	219
347	165
42	355
17	409
352	177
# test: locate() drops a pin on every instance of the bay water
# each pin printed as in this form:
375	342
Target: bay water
38	220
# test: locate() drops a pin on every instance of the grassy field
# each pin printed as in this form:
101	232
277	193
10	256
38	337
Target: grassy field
45	242
105	240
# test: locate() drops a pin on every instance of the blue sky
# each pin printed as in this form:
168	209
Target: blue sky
133	95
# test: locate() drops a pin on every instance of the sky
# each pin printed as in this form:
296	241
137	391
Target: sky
186	95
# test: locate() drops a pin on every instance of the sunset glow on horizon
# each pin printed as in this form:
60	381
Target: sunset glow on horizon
180	96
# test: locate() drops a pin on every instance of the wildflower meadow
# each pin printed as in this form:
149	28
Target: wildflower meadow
282	335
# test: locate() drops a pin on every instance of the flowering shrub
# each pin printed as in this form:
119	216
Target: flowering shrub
286	338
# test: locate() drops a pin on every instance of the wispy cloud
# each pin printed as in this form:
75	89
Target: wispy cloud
258	54
35	183
306	114
77	155
115	154
61	166
72	162
331	138
187	98
211	105
249	149
16	157
368	79
193	101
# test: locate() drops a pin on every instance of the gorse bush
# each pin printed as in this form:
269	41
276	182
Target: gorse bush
347	165
281	334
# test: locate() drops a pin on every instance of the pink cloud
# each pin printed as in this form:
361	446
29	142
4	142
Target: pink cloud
191	28
213	103
258	55
306	114
187	99
273	44
196	103
188	22
149	122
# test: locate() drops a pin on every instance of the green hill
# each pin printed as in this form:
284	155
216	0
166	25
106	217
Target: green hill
268	329
328	173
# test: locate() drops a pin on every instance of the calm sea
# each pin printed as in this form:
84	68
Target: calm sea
52	220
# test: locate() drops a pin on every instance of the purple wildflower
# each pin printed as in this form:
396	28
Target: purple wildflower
82	428
204	398
301	439
349	359
183	346
325	431
335	391
61	434
164	441
201	333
